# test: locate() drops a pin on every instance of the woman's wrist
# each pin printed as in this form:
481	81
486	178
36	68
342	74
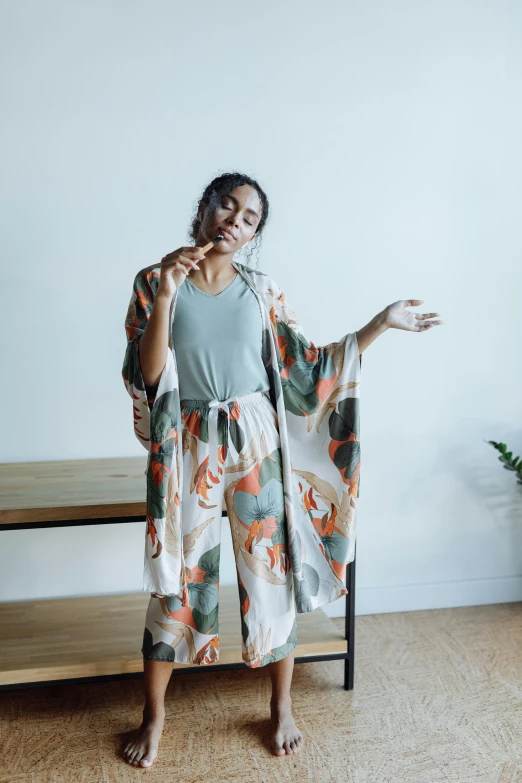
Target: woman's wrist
164	299
371	331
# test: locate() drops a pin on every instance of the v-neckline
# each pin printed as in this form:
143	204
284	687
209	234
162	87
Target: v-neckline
213	296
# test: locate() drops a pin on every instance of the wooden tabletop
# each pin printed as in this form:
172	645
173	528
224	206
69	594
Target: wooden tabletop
72	489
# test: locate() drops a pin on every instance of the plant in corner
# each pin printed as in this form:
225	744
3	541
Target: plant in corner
507	459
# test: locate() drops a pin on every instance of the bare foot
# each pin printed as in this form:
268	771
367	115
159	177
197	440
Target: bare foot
286	737
142	748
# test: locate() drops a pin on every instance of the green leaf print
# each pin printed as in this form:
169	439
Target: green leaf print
159	651
268	503
244	628
173	603
347	456
295	551
344	421
266	347
277	653
278	458
237	434
336	545
298	403
132	367
156	494
209	563
304	375
311	577
343	425
295	343
303	601
203	424
163	416
271	468
206	623
279	535
202	596
160	425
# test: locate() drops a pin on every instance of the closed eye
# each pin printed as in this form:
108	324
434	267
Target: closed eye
246	221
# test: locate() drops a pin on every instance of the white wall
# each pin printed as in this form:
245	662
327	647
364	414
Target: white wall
387	135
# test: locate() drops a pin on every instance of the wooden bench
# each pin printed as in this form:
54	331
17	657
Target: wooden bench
33	648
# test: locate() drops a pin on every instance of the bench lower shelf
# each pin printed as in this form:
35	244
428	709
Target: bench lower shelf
69	638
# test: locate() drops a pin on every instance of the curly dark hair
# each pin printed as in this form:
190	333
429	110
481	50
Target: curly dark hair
223	185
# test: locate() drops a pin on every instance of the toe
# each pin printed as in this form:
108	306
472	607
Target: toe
147	761
293	746
280	751
286	746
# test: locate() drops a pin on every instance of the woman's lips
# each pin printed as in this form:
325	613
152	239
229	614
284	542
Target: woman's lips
227	234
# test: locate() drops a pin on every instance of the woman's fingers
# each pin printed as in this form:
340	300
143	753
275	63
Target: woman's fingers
187	260
185	252
428	325
179	259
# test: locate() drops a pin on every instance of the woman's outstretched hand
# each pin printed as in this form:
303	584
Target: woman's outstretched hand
396	316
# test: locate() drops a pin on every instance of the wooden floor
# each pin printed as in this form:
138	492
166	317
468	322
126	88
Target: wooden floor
437	698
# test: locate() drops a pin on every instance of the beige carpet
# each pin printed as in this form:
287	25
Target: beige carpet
438	697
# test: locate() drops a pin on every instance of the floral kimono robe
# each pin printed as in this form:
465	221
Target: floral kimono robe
315	391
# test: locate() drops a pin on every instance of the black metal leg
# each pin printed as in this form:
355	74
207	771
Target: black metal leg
349	628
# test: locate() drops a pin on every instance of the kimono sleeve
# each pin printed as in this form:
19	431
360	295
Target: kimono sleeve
138	313
321	383
311	371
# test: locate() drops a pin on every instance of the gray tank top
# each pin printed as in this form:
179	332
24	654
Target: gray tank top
217	340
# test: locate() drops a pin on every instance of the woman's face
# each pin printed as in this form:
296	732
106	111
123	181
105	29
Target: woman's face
235	216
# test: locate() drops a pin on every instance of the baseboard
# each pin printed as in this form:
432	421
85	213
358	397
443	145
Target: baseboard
430	595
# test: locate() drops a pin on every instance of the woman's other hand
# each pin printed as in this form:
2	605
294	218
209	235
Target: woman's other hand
397	316
175	267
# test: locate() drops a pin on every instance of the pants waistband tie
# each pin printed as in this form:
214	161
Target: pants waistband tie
214	406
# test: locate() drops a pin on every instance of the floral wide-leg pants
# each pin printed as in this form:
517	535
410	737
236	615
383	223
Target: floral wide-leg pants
231	450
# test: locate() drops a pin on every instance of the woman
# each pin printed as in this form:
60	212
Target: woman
231	401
